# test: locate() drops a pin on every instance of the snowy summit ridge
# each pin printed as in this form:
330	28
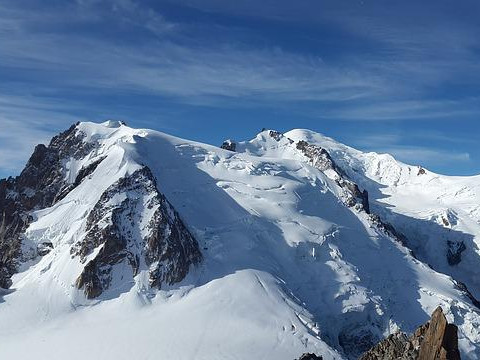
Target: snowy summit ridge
269	248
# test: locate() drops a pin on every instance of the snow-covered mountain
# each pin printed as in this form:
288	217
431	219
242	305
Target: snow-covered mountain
119	243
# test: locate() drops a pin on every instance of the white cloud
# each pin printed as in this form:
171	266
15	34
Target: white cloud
374	86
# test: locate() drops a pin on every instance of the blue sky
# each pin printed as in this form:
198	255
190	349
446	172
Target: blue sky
389	76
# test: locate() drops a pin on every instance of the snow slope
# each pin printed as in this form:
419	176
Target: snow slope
432	210
287	267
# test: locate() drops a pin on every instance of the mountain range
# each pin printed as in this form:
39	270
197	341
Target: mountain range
121	243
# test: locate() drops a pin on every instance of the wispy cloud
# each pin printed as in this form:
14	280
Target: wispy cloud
399	65
172	63
25	122
425	109
185	72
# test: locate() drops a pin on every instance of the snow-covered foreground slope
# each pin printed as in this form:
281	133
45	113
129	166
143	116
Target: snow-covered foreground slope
286	267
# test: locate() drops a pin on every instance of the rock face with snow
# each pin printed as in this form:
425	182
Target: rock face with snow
133	223
40	185
229	145
322	160
291	244
437	216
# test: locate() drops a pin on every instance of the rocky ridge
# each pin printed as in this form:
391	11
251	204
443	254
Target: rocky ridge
354	197
41	184
156	239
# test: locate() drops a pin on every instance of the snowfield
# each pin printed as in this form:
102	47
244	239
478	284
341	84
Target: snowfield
287	267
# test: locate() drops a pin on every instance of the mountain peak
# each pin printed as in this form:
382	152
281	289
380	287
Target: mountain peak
285	245
113	123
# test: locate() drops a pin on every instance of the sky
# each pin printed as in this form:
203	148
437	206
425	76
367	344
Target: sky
401	77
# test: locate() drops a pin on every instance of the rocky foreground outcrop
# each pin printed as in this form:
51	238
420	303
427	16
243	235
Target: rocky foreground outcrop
435	340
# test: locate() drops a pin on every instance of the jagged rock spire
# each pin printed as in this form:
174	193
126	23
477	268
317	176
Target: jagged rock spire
435	340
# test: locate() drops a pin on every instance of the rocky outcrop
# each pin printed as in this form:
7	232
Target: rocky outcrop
389	230
82	174
277	135
454	252
321	159
229	145
435	340
134	225
463	288
309	356
37	187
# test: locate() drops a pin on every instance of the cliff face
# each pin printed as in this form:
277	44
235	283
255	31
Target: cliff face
41	183
435	340
134	224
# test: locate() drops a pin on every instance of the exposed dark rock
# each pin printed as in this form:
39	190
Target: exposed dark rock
435	340
37	187
454	251
352	195
82	174
395	346
277	135
44	248
309	356
421	171
463	288
388	229
229	145
159	240
321	159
